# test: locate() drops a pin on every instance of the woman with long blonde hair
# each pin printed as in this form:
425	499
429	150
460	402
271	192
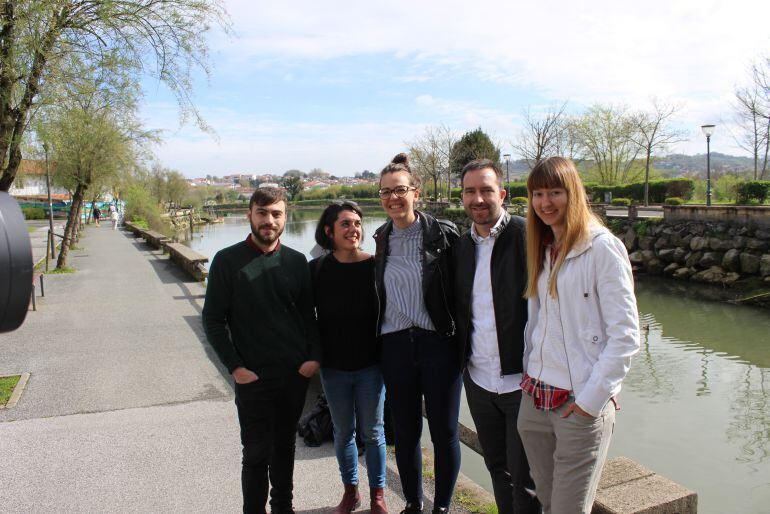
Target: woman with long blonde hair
583	329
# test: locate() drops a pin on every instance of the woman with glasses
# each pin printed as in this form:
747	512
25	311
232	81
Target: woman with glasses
583	329
420	358
346	306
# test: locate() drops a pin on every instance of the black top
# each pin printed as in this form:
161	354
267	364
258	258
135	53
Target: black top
346	306
258	311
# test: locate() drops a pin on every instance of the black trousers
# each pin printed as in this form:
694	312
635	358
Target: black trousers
495	418
268	412
415	364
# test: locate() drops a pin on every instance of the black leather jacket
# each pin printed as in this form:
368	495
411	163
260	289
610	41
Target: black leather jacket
437	239
508	270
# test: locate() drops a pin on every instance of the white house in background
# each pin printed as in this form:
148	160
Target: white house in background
30	182
269	184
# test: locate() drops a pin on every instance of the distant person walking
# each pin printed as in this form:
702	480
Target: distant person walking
583	329
346	306
115	217
258	315
97	215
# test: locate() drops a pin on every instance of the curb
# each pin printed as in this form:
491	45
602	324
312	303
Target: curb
16	394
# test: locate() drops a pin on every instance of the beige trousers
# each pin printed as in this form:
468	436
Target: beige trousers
565	455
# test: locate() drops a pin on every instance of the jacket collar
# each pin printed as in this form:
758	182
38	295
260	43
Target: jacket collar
495	231
583	246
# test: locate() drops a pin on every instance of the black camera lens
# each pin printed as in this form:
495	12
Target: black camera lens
15	265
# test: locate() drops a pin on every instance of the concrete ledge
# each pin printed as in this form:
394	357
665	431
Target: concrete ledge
744	215
627	487
16	394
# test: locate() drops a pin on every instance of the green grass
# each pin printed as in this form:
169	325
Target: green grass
7	384
31	229
65	269
471	503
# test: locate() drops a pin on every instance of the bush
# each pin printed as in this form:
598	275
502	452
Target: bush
753	191
621	202
33	213
659	190
516	189
674	200
519	200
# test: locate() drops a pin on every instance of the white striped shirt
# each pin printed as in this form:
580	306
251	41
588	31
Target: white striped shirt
405	302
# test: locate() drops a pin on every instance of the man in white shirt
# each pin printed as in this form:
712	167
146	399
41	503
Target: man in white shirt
490	278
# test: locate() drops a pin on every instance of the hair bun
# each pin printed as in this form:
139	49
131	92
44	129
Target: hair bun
401	158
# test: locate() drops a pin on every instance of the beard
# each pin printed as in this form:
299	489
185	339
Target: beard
489	219
266	240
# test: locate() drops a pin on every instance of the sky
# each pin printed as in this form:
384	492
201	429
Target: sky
344	86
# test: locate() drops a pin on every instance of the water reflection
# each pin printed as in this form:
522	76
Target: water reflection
749	425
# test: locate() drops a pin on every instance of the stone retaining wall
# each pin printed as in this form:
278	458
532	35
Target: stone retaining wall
715	252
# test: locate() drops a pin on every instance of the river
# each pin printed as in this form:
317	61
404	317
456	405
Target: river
695	405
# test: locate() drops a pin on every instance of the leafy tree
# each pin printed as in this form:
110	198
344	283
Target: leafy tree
318	174
473	145
294	173
165	38
430	154
607	135
293	186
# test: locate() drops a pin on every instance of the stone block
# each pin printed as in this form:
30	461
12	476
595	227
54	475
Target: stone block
710	259
731	278
732	260
662	242
698	243
739	242
692	259
756	244
636	258
686	240
646	242
684	273
670	269
679	255
762	233
666	255
749	263
654	266
627	487
630	239
764	265
713	275
720	245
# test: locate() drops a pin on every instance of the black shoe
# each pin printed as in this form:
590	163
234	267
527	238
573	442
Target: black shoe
440	510
412	508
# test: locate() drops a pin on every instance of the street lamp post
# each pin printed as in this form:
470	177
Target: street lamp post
507	178
708	130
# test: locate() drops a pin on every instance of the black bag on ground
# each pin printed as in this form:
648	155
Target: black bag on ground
315	426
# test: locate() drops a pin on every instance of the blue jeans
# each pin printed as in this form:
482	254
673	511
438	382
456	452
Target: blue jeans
356	399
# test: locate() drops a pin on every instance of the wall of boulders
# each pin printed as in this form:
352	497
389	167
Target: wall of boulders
708	252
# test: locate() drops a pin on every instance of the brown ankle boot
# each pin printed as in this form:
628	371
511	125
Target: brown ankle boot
350	500
378	501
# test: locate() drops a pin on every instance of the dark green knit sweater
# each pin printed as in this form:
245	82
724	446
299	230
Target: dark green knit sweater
266	303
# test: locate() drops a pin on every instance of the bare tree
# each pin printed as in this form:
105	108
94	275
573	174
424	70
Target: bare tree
752	110
654	133
430	155
606	134
540	136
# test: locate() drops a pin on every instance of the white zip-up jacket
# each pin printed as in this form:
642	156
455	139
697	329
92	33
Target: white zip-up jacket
599	318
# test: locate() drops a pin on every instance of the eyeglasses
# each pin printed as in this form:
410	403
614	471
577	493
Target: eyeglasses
399	191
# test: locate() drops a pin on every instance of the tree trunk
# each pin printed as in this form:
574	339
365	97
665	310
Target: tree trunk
647	179
69	229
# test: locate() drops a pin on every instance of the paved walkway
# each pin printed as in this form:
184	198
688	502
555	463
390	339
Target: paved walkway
127	408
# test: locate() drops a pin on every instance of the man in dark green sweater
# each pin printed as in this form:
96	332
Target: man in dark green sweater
259	318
